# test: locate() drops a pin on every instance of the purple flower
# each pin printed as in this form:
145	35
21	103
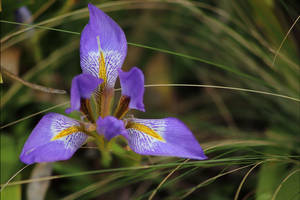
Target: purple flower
23	15
103	48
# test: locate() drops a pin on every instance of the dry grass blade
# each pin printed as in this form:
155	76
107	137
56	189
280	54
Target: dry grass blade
212	179
285	37
165	179
11	178
32	85
284	180
244	179
47	62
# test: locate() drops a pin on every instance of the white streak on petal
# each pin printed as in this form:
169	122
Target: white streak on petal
72	141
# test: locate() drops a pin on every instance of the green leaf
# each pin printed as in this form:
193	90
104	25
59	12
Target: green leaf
9	166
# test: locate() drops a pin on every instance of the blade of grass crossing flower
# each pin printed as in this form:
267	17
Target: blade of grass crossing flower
226	68
172	53
223	87
32	26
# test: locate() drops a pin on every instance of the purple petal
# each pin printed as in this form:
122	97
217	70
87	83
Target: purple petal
132	84
110	127
23	15
112	42
83	86
55	137
170	137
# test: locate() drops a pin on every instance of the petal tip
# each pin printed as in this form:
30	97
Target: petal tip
140	107
92	7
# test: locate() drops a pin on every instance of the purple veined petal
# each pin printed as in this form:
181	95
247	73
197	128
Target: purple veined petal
163	137
56	137
103	47
132	84
110	127
83	86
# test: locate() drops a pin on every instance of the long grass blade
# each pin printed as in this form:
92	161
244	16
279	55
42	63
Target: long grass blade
165	179
222	87
34	114
157	166
11	178
282	42
211	179
284	180
244	179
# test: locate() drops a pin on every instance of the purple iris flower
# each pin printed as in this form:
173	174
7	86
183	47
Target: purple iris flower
103	48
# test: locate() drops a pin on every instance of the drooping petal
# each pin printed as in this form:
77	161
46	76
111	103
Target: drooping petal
132	84
110	127
83	86
56	137
163	137
103	47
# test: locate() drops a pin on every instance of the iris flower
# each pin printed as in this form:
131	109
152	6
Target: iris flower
103	48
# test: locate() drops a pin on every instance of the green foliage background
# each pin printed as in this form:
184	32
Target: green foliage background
252	136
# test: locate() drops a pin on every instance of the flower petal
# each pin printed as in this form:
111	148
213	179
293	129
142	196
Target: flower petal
132	84
110	127
103	47
23	15
163	137
83	86
56	137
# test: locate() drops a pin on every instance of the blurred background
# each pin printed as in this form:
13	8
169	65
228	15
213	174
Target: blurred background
252	138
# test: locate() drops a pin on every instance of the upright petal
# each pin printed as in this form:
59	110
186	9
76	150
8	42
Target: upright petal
103	47
83	86
132	84
110	127
163	137
55	137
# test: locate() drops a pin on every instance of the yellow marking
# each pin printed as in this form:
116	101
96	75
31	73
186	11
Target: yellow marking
146	130
102	67
123	107
68	131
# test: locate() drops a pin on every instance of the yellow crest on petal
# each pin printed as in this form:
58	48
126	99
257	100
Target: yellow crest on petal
102	67
145	129
68	131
